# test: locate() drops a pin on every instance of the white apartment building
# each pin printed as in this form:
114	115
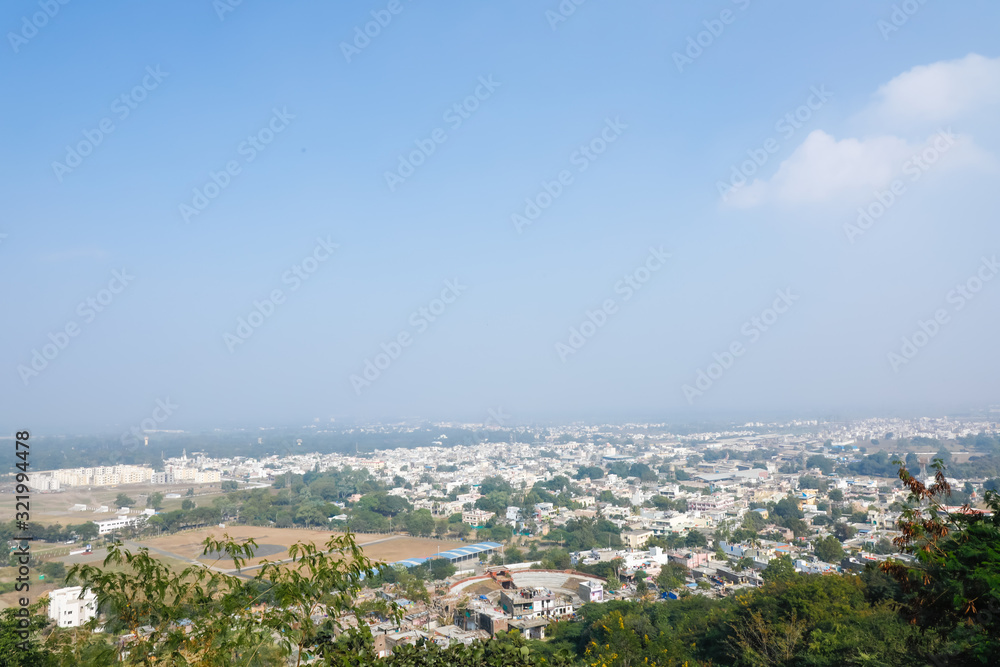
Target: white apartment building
43	482
476	517
710	503
163	478
122	521
100	476
69	610
186	474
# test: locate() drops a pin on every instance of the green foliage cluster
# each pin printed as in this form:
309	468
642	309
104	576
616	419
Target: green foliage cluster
49	532
829	549
878	464
813	482
667	504
582	534
825	464
590	472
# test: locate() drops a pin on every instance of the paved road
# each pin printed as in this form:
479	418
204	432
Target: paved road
383	539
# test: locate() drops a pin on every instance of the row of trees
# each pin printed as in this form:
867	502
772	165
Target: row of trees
54	532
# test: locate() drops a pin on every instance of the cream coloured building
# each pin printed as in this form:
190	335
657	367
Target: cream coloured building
69	610
101	475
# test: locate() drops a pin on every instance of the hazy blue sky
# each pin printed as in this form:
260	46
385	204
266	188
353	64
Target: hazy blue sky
643	109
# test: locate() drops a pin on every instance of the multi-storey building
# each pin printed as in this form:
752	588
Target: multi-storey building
69	609
710	503
100	476
532	603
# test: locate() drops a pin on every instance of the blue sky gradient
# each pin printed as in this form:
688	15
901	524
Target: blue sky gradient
347	120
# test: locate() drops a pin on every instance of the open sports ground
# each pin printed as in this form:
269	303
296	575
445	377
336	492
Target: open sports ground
273	543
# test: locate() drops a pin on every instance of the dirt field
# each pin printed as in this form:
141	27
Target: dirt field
482	587
94	558
394	548
274	542
8	600
51	508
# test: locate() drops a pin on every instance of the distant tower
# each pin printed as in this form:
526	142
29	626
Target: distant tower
147	441
184	455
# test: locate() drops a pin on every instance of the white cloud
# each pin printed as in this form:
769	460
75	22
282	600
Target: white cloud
822	168
941	92
917	103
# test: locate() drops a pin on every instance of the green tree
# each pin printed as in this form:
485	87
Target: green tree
22	649
420	522
312	513
695	539
53	570
843	531
589	472
671	576
662	503
442	568
821	462
787	508
829	550
556	559
953	588
307	598
155	500
495	483
87	531
818	620
779	569
122	500
643	472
